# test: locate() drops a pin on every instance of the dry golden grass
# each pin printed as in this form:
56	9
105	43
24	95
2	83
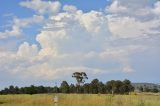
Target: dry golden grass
80	100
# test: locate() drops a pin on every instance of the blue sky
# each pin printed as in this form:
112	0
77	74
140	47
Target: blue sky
45	41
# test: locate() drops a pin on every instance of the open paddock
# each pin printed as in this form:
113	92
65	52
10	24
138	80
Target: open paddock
80	100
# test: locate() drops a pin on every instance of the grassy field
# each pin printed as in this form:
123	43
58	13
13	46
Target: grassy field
80	100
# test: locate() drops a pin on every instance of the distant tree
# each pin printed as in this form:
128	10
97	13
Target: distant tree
17	90
72	88
11	89
110	86
22	90
5	91
64	87
80	78
94	86
56	89
146	89
127	86
140	89
31	90
155	89
86	88
41	89
119	87
81	89
101	88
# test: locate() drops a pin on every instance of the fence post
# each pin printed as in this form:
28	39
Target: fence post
55	100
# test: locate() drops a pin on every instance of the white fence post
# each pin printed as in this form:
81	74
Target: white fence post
56	101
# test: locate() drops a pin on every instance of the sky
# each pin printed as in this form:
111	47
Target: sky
42	42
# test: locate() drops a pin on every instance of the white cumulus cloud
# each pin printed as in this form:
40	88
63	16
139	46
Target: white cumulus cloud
18	25
42	7
72	40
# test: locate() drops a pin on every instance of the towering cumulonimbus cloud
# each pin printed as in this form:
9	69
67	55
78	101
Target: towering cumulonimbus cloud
72	40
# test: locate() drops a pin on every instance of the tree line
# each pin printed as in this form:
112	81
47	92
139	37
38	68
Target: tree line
27	90
94	87
148	89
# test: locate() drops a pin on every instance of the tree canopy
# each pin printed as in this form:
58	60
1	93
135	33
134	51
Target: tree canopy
80	77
